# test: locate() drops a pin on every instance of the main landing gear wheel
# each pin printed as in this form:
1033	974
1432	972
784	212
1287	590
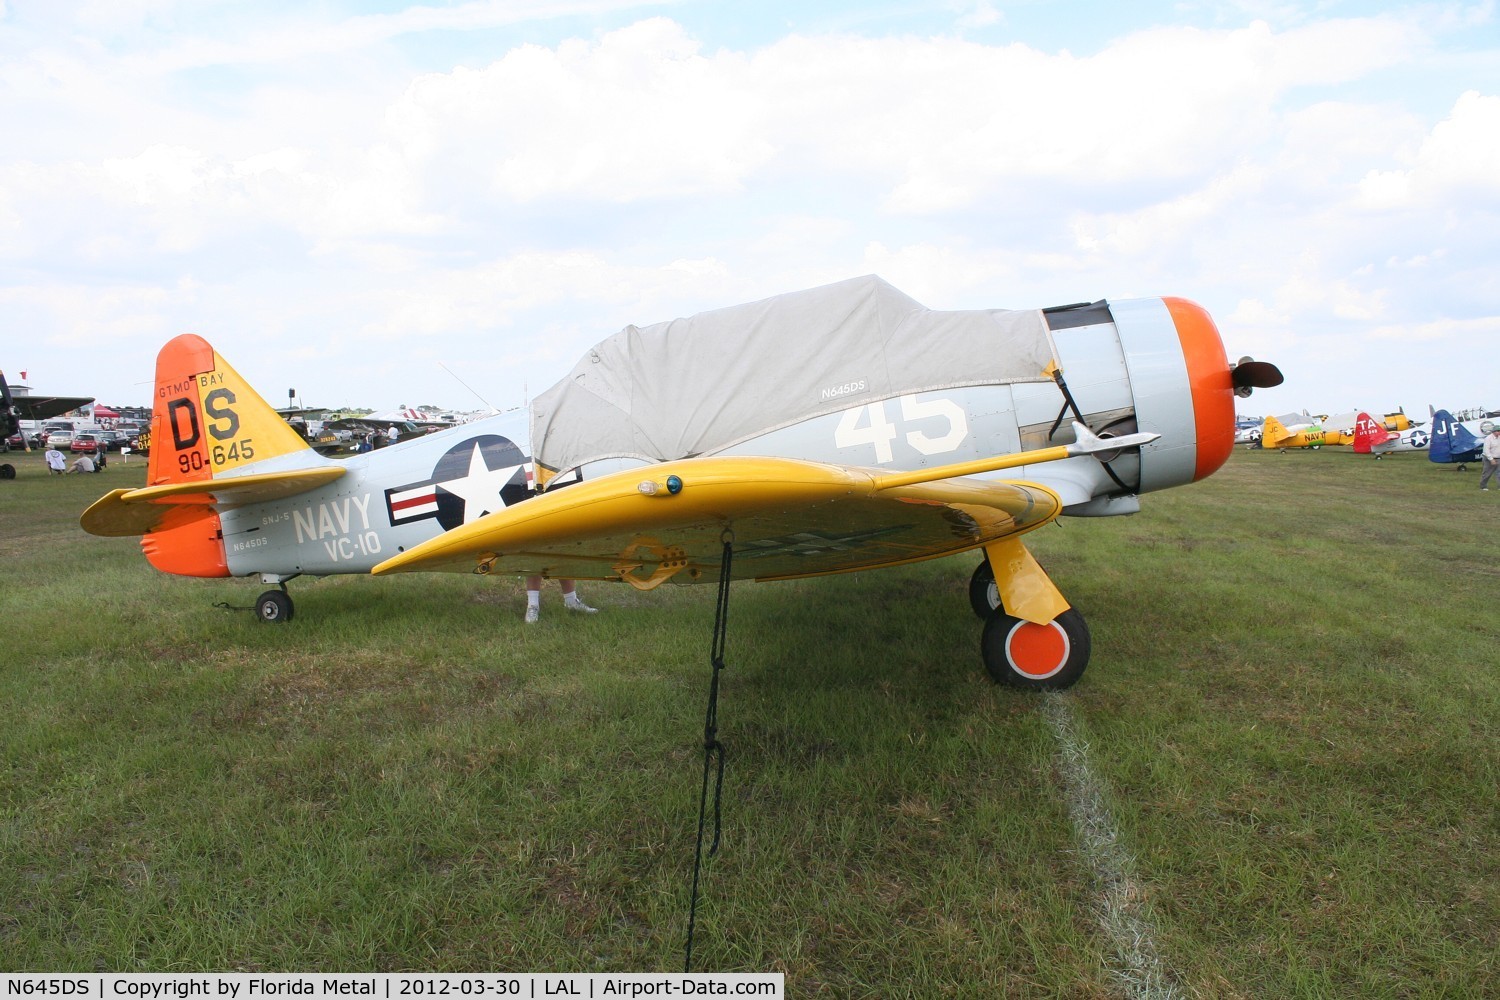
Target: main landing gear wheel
984	594
7	471
274	606
1036	657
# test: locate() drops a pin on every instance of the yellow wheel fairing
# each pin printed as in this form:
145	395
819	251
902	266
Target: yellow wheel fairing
1026	591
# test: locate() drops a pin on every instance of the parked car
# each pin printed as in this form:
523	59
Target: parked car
57	438
17	441
87	443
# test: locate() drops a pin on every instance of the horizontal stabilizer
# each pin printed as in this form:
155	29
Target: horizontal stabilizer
122	513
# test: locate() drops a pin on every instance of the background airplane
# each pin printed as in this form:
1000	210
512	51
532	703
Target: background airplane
1301	432
780	435
1456	441
1247	430
16	407
1340	429
1376	437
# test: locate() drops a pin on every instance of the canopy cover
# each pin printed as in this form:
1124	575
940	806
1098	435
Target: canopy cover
697	385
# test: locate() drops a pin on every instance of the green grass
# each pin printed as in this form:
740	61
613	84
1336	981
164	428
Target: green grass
1293	706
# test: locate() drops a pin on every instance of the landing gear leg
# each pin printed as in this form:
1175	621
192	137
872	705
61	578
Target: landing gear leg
1032	639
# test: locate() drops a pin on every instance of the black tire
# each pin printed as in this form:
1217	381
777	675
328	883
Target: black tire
274	606
984	595
7	471
1053	658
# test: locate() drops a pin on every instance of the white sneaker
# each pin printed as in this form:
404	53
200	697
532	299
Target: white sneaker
532	614
577	605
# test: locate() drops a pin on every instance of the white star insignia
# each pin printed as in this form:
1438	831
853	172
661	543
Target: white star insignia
480	487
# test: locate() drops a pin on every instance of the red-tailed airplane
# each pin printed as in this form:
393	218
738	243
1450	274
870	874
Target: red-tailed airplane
1379	438
832	430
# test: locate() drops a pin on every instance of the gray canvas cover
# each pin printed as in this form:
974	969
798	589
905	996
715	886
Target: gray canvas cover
697	385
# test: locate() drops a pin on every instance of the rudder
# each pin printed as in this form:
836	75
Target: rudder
1450	439
1273	432
1369	432
207	422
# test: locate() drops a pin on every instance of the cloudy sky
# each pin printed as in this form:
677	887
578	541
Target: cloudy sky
381	203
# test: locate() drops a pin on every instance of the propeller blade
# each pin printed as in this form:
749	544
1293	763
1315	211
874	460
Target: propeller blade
1250	374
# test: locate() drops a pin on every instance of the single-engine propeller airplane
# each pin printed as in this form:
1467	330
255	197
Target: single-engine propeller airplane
1379	438
1284	432
832	430
1456	441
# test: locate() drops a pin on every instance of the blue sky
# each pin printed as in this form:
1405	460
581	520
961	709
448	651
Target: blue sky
359	199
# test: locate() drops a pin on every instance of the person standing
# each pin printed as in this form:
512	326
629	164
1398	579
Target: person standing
1490	454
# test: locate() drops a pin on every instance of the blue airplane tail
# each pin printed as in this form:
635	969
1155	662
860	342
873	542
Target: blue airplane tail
1451	441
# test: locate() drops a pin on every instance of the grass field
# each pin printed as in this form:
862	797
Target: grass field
1279	776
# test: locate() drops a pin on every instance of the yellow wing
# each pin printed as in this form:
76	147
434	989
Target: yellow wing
788	519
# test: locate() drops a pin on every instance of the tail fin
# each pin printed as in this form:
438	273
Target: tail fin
1369	432
208	423
1273	432
1451	440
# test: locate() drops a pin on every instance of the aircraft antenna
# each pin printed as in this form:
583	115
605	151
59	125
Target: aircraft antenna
466	385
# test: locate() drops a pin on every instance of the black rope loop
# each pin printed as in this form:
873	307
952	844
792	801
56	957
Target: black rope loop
713	750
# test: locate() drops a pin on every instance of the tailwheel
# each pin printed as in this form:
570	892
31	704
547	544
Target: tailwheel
984	595
274	606
1046	657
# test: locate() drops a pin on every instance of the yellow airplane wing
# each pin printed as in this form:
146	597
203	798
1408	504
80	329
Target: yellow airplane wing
122	513
787	518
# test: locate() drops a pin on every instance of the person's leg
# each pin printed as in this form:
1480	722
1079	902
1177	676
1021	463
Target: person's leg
571	600
533	598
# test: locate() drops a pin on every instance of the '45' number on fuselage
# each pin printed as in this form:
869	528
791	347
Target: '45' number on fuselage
938	426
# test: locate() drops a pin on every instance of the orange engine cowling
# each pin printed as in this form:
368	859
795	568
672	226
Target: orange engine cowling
1155	365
